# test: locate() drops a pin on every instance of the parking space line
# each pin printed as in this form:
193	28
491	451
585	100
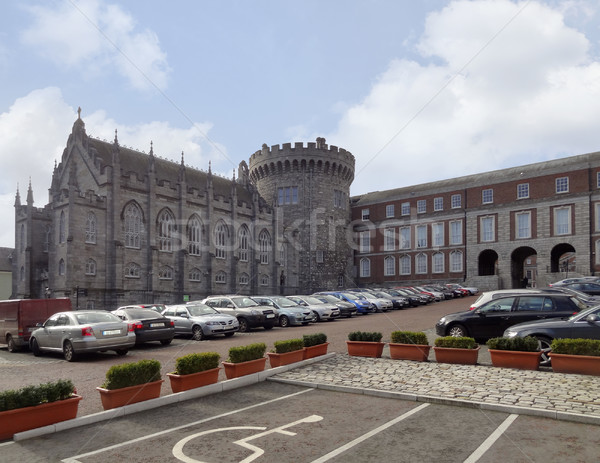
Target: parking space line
364	437
75	459
485	446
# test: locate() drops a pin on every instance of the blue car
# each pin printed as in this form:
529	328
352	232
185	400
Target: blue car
362	305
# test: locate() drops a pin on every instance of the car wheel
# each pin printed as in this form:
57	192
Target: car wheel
457	331
68	351
315	317
197	333
228	335
284	321
35	348
243	325
268	327
10	343
121	352
166	342
544	345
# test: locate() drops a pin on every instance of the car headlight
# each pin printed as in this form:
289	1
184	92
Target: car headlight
442	320
510	333
212	323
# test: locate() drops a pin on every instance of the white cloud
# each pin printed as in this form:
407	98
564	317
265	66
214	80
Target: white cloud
499	84
97	39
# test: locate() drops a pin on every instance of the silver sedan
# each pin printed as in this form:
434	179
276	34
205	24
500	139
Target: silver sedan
82	331
200	320
320	310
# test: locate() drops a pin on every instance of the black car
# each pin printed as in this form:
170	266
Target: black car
148	324
589	287
492	318
585	324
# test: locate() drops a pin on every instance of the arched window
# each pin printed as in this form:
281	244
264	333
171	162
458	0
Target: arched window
194	236
166	230
221	235
61	267
389	266
264	246
405	267
165	273
90	228
195	274
133	225
264	280
365	267
132	270
243	245
22	238
61	228
437	262
421	263
47	238
90	267
221	277
244	279
456	261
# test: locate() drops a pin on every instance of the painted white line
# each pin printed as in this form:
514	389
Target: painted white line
7	443
485	446
364	437
75	459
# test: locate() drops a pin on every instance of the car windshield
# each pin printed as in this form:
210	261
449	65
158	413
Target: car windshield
200	309
579	303
352	296
285	302
313	300
97	317
244	302
140	314
582	315
327	298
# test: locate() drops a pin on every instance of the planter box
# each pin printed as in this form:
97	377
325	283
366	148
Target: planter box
185	382
365	348
417	352
315	351
114	398
515	359
580	364
235	370
26	418
278	360
456	355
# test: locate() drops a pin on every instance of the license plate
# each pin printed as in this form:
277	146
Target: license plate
110	332
270	315
156	325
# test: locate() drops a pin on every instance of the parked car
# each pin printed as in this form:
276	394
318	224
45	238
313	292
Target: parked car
588	299
289	312
381	304
437	295
200	321
446	292
588	287
148	324
398	302
248	312
347	309
426	297
320	310
585	324
77	332
491	319
156	307
489	295
362	305
414	300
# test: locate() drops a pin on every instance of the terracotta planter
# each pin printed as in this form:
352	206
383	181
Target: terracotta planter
114	398
365	348
315	351
515	359
185	382
580	364
278	360
235	370
417	352
456	355
24	419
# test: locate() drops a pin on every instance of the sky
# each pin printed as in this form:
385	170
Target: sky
417	91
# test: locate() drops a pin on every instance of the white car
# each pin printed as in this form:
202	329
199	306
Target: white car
381	305
320	310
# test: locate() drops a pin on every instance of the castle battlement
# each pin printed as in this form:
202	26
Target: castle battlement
312	149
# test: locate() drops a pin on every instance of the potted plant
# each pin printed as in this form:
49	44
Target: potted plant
286	352
576	356
36	406
409	345
522	353
314	345
456	349
130	383
195	370
245	360
365	344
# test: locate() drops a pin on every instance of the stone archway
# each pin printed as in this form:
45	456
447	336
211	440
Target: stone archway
486	263
517	264
562	257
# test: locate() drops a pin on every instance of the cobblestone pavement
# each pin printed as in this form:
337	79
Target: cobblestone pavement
561	396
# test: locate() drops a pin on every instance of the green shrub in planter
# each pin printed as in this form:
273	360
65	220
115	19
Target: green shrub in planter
290	345
247	353
365	336
589	347
30	396
456	342
132	374
526	344
409	337
314	339
196	362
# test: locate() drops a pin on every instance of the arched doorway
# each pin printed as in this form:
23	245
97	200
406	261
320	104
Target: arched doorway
562	259
523	263
487	262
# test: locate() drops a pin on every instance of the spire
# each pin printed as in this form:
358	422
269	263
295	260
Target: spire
116	139
209	182
29	194
115	148
182	169
17	197
151	163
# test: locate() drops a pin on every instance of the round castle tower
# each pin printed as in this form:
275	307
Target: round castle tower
309	187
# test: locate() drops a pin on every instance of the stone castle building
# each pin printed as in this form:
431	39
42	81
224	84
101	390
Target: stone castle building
122	226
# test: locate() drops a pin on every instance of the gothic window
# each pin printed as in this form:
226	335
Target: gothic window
61	228
166	230
221	277
365	267
389	266
90	267
437	262
133	226
405	267
264	280
22	238
46	246
194	236
165	273
195	274
221	235
243	244
132	270
264	245
61	267
90	228
244	279
421	263
22	274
